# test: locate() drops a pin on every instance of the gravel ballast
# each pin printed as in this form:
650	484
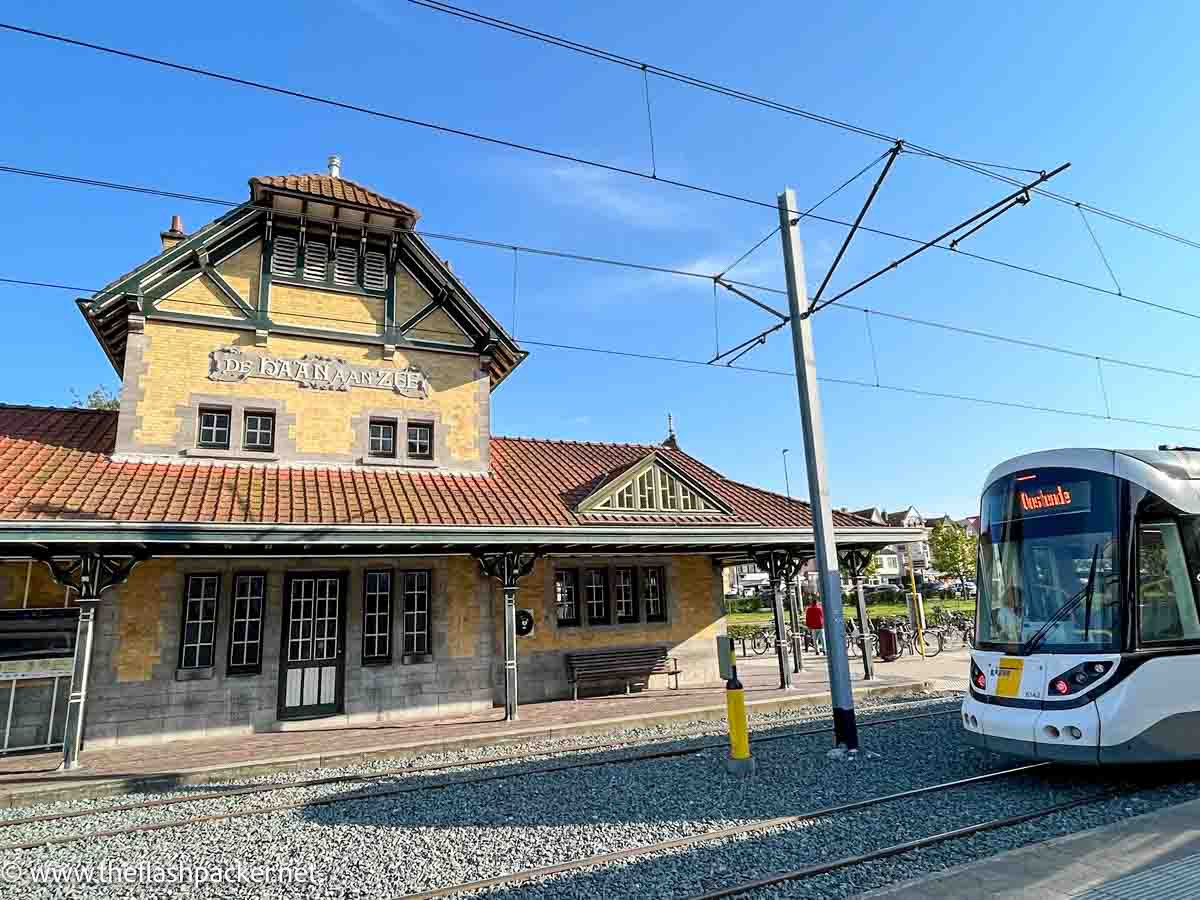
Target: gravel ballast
388	847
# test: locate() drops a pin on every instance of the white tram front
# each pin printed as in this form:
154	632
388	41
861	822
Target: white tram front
1087	642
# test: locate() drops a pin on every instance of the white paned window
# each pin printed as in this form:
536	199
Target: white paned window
345	265
199	622
566	597
420	440
260	431
316	261
625	592
688	500
284	254
624	498
653	594
382	439
214	428
596	587
375	271
416	613
377	616
245	626
646	492
666	489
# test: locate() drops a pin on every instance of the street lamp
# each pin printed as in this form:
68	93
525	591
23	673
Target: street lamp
787	481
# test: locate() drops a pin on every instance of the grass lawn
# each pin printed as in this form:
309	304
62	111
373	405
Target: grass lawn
763	617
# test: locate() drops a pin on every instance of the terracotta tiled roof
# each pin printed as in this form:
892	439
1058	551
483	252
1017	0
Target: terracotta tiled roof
55	464
330	188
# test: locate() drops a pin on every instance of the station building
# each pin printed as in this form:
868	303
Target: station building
299	516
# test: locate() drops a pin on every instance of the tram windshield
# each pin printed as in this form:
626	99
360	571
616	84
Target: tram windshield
1048	563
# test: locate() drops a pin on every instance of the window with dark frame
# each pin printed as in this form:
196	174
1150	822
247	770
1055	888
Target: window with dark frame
596	596
625	592
214	428
259	431
566	596
246	623
416	613
199	621
420	440
382	439
377	616
654	594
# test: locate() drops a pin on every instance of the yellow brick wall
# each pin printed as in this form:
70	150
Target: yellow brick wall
176	365
240	272
139	623
690	592
43	591
465	625
201	297
309	308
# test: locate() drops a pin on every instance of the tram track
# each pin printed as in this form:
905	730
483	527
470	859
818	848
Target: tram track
629	853
250	790
892	850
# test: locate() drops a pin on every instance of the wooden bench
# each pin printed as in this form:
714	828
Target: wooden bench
633	665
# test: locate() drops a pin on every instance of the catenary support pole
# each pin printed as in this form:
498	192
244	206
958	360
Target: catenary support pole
845	726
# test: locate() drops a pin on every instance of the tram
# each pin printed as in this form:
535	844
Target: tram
1087	641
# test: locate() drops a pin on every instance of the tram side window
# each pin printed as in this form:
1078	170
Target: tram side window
1167	603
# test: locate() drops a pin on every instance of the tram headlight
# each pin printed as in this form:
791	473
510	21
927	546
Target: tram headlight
1078	678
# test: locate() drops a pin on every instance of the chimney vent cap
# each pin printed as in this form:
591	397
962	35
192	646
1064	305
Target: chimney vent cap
335	166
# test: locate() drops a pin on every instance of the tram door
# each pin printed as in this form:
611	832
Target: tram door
312	661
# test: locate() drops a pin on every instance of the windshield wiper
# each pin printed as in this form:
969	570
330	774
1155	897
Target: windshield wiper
1087	609
1066	609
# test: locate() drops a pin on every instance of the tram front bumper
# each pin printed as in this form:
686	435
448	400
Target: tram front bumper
1059	735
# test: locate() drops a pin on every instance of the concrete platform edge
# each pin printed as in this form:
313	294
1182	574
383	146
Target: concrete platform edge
29	795
1011	860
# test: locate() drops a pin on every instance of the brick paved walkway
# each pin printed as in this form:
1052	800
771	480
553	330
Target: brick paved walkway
34	777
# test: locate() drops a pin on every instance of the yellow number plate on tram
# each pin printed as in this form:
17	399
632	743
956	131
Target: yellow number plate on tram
1008	677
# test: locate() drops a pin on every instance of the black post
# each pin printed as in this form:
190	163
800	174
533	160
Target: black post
508	567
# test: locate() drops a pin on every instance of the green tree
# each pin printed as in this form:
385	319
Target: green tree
954	551
101	398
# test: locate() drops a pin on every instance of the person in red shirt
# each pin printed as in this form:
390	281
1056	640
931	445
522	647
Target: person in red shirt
814	620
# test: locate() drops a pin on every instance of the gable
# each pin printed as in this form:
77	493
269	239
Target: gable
651	486
200	297
438	326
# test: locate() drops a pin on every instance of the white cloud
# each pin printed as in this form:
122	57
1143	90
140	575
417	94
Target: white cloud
613	195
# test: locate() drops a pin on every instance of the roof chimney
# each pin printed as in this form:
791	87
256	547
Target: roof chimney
670	442
335	166
172	235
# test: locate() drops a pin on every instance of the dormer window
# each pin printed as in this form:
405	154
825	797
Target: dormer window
652	486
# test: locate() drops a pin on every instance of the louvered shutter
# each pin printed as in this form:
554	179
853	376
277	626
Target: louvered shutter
284	254
345	265
375	271
316	261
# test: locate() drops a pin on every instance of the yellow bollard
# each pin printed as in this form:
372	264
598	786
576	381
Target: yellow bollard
740	761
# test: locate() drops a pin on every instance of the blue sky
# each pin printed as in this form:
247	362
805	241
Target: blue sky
1026	84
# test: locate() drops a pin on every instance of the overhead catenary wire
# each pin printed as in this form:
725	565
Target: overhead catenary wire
976	166
1099	249
541	251
837	190
903	389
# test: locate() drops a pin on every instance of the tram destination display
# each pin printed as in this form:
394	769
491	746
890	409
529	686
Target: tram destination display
1033	497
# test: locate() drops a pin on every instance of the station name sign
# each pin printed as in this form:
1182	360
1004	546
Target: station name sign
315	372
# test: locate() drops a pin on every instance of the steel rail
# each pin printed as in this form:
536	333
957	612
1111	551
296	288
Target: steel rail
900	849
707	836
387	794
